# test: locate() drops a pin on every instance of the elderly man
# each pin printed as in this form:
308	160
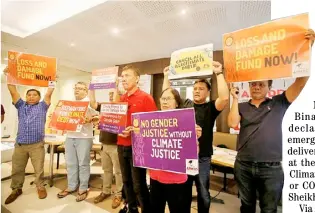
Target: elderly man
77	147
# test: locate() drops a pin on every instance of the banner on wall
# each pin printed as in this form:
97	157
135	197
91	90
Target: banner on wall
113	117
165	140
278	87
191	62
31	70
273	50
104	78
144	84
69	115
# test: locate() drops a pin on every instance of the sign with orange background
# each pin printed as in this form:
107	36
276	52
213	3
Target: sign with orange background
31	70
69	115
277	49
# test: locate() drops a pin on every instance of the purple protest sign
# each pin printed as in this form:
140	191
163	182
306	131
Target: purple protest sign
165	140
113	117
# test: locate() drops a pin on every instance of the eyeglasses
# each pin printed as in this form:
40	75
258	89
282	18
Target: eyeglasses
166	99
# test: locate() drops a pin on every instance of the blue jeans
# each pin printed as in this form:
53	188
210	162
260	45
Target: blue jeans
266	178
78	162
202	181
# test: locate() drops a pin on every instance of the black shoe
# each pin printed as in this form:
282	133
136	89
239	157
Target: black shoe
124	209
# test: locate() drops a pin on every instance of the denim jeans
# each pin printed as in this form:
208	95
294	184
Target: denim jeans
266	178
134	179
78	162
202	181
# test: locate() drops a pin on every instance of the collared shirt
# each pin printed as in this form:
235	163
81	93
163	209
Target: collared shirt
139	101
87	129
32	119
260	137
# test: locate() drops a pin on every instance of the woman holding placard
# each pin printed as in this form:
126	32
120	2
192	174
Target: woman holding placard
168	186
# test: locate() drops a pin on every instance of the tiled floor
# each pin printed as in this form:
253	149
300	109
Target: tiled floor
29	203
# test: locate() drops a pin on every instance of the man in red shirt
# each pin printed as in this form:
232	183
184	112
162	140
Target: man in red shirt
134	178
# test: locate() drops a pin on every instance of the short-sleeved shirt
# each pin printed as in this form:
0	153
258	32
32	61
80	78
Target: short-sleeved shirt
87	129
32	119
205	115
260	137
106	137
2	110
139	101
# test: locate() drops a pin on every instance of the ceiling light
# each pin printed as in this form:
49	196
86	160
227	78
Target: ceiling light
183	12
33	16
115	30
72	44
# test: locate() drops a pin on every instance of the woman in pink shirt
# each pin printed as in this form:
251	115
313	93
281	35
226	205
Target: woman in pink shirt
168	186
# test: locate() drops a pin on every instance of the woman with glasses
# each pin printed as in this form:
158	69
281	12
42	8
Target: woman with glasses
169	187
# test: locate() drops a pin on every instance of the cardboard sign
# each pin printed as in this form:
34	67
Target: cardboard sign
69	115
31	70
277	49
191	62
165	140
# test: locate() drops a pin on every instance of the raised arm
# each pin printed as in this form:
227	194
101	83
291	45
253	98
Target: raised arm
295	89
166	82
93	103
47	98
234	117
15	95
223	90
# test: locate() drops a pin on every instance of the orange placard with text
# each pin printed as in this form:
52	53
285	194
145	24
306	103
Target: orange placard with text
277	49
31	70
69	115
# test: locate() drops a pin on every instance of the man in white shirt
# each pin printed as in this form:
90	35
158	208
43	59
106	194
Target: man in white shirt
77	150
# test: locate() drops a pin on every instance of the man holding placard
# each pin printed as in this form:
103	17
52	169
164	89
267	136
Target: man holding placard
134	178
205	114
29	140
77	147
258	162
110	161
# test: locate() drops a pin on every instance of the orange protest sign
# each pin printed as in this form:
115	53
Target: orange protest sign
32	70
69	115
277	49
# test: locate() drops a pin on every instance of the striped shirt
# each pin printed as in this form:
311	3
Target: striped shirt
32	119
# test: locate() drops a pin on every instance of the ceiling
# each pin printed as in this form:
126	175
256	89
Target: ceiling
146	30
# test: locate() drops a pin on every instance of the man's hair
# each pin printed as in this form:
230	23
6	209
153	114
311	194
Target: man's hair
203	80
33	90
82	83
133	68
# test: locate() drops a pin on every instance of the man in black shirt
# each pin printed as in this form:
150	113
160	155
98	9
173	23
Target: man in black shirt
258	164
206	114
